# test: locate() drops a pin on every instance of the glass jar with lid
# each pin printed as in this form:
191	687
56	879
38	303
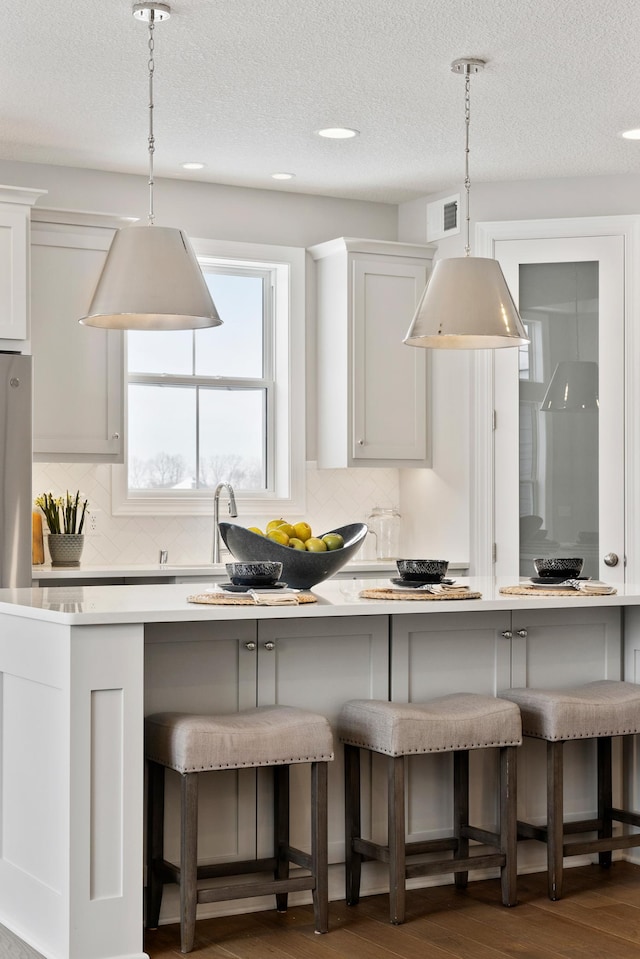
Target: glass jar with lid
384	522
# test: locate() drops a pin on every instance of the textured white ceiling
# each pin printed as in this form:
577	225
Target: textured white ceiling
243	84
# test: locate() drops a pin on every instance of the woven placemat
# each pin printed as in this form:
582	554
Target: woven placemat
238	599
538	591
380	592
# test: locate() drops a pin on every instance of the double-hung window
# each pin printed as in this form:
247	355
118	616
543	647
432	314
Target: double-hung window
221	404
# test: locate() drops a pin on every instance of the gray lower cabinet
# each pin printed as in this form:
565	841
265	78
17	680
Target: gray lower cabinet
315	664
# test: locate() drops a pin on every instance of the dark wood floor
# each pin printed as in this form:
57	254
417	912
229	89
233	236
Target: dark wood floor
598	918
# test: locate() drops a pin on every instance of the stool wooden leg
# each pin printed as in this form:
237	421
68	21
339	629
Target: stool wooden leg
508	824
396	840
555	818
155	842
461	811
352	830
605	801
188	859
281	830
320	845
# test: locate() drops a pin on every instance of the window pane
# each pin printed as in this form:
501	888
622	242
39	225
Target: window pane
166	351
235	348
232	438
162	437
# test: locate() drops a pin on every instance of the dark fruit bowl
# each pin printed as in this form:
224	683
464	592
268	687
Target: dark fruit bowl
254	574
300	569
422	570
569	567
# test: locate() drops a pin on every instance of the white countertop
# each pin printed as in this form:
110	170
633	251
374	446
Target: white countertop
86	605
171	570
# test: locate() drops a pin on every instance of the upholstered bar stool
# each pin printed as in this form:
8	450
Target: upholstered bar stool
277	736
598	710
454	724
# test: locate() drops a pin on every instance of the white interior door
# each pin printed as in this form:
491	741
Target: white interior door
559	437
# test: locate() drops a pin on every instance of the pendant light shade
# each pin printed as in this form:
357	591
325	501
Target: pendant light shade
151	281
466	305
573	387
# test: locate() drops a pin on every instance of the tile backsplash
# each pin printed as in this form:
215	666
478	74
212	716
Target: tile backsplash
334	497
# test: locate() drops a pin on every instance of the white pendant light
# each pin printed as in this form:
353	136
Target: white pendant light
466	304
151	279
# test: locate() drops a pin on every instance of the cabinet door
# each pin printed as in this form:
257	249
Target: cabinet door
205	668
320	664
78	370
389	393
434	654
14	259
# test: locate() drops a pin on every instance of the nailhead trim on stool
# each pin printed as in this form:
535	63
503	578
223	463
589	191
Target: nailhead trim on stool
597	710
275	736
456	723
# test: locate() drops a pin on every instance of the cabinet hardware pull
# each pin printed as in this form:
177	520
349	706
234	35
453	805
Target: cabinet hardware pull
611	559
522	633
270	646
115	436
360	442
250	646
507	633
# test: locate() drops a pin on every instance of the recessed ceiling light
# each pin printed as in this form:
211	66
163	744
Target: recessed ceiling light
282	176
338	133
193	166
631	134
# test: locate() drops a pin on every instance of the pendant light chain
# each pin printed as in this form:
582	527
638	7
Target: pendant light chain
152	141
467	179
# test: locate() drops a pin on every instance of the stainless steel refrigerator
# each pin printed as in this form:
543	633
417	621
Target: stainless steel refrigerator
15	469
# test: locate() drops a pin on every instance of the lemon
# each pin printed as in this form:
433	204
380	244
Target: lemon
254	529
274	523
278	536
287	528
315	545
296	543
302	531
333	540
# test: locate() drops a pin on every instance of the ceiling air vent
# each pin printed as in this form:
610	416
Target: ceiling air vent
443	217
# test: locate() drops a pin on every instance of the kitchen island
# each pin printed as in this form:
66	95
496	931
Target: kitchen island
81	665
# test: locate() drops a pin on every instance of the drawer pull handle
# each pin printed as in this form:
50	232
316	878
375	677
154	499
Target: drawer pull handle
522	633
270	646
507	633
250	646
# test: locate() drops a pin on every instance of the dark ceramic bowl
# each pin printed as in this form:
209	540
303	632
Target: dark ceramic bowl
300	569
254	574
569	567
422	570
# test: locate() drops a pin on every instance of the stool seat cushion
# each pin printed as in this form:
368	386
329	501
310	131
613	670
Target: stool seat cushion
458	721
602	708
266	736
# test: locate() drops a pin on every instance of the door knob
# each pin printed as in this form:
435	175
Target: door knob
611	559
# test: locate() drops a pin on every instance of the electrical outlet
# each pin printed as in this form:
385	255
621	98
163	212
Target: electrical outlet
93	522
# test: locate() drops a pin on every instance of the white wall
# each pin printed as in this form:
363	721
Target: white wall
441	496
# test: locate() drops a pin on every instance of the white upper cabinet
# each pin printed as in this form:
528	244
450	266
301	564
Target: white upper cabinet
78	370
372	388
15	208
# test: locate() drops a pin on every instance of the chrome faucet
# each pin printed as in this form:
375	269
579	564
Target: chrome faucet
216	513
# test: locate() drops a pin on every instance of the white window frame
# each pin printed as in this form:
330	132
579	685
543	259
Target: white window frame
288	423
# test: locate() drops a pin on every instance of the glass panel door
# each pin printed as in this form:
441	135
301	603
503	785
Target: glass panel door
559	439
558	413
